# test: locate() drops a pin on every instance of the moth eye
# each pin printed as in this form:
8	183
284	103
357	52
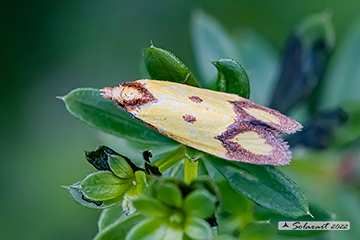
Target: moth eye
131	95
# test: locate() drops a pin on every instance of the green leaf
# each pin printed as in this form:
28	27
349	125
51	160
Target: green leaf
232	78
258	231
169	194
210	42
202	170
177	171
78	196
318	213
119	229
233	201
200	203
164	65
150	207
141	182
192	153
198	229
191	164
343	77
265	185
110	216
206	183
165	160
146	230
90	107
225	237
103	185
172	234
121	168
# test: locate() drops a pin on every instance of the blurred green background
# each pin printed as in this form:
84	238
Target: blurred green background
52	47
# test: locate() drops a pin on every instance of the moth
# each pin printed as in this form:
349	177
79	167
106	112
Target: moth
225	125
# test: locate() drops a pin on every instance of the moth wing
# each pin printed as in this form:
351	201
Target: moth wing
256	144
257	114
222	124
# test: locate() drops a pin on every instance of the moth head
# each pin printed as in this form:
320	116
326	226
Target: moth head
131	95
128	94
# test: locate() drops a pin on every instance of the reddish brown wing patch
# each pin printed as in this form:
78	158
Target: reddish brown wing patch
195	99
269	132
285	124
280	154
144	95
189	118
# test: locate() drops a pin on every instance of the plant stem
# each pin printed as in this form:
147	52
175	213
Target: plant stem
191	170
170	159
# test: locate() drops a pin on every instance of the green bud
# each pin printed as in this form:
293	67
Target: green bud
169	194
200	203
197	228
150	207
164	65
120	167
104	185
232	78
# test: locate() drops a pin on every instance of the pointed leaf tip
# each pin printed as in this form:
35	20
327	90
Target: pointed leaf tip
270	182
61	97
309	213
90	107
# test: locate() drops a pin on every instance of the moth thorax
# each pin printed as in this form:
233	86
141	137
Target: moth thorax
131	95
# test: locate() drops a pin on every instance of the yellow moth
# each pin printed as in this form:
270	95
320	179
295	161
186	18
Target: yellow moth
222	124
